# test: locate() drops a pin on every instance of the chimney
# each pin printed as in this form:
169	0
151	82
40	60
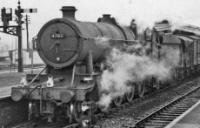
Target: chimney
68	12
106	17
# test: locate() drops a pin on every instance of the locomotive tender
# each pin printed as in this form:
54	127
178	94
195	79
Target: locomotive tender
74	58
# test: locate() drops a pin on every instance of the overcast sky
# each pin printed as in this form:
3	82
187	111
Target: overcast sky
144	11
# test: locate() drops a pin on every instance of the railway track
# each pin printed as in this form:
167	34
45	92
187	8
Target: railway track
135	114
163	115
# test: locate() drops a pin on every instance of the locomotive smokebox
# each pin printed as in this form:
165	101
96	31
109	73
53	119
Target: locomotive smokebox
68	12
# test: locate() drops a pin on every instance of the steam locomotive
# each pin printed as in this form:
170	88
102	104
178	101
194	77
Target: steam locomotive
69	86
74	59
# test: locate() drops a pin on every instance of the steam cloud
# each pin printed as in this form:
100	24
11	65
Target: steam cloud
132	65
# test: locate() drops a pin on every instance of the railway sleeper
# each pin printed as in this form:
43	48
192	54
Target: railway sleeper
186	102
183	104
152	127
174	113
170	111
158	124
181	107
192	98
169	114
177	111
158	121
163	118
149	126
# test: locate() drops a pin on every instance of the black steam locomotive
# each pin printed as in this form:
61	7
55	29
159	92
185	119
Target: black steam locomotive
74	60
69	86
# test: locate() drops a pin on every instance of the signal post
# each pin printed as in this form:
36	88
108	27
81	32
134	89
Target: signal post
16	30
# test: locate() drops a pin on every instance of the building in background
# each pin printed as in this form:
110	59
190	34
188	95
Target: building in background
9	54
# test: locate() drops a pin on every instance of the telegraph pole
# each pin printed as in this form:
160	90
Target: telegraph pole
27	32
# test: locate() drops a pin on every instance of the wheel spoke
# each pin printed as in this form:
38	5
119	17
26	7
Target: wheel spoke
130	95
118	101
77	112
141	89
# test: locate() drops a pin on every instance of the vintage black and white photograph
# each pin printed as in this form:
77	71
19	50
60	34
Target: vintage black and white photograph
99	64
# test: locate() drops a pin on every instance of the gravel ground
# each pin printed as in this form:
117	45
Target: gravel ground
125	117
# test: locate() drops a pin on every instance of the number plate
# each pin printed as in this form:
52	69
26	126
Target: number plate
57	36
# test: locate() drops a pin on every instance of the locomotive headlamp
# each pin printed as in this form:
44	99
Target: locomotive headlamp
87	79
23	81
50	81
84	106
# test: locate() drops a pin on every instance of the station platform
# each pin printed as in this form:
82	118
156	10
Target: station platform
9	79
189	119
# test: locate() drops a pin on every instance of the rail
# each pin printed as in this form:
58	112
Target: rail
162	116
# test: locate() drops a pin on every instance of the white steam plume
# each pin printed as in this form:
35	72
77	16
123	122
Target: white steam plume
134	66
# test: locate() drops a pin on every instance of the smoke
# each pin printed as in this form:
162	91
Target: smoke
146	12
103	42
133	65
